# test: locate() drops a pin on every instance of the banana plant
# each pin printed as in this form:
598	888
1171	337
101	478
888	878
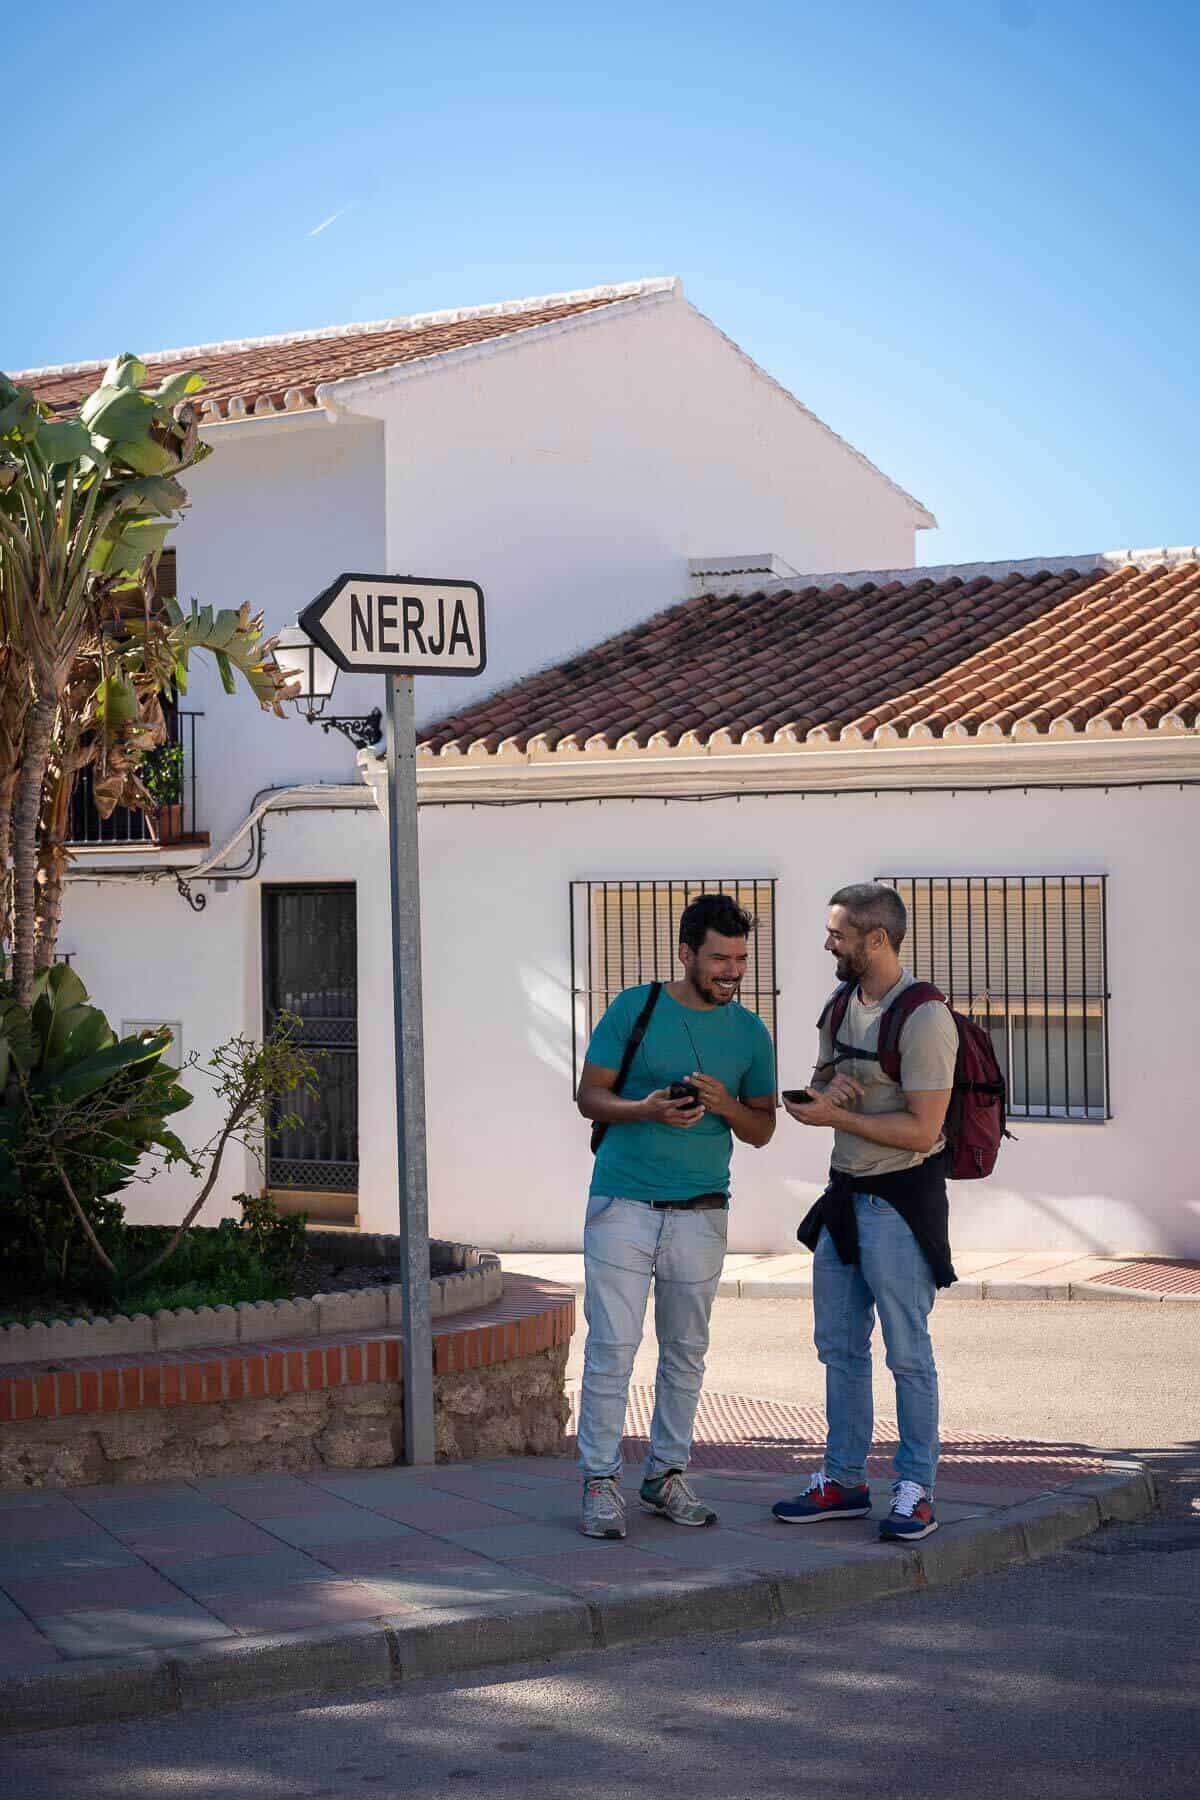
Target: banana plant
86	648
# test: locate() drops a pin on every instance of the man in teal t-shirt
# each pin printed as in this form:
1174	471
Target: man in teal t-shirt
658	1206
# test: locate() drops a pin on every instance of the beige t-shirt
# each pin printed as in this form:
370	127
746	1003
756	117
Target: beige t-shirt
928	1051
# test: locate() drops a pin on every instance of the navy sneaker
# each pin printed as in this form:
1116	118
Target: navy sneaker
911	1516
824	1499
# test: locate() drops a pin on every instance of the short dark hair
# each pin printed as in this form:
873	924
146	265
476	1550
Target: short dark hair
714	912
872	906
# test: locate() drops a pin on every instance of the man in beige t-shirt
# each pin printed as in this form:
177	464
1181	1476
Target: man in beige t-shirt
880	1232
928	1047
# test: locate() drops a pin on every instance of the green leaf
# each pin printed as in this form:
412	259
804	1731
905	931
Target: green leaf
125	371
178	387
64	440
225	670
57	992
116	412
90	1033
95	1071
146	456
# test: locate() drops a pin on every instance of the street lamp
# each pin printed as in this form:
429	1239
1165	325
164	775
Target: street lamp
313	675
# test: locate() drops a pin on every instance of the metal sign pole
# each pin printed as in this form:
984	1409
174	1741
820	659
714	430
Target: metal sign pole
410	1069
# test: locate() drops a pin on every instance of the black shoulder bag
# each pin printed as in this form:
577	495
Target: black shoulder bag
600	1126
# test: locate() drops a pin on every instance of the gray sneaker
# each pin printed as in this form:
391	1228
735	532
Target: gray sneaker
603	1508
672	1497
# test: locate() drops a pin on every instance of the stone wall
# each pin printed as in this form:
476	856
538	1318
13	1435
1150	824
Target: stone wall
513	1407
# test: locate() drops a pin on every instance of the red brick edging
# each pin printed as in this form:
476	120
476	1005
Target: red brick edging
531	1316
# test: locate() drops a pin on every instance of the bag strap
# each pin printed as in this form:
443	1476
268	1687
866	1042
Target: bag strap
835	1009
630	1051
920	993
636	1035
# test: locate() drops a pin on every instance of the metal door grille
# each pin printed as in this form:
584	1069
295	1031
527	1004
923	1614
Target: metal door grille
627	932
1025	956
310	968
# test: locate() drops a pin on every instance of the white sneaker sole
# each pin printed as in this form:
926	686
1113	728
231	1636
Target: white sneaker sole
906	1537
611	1531
860	1512
662	1513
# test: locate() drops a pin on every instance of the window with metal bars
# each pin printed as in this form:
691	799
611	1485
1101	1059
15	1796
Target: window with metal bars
627	932
1026	957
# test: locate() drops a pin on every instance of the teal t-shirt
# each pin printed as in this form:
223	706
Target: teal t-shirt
649	1161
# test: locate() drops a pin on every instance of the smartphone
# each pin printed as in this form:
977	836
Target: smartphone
799	1096
683	1090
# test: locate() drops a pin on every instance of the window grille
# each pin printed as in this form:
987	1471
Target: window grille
627	932
1025	956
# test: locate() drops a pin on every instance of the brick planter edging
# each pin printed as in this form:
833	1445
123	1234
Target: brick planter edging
146	1379
476	1281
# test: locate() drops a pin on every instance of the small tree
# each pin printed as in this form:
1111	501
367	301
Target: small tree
87	651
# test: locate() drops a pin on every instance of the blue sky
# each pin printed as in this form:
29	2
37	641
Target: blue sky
966	237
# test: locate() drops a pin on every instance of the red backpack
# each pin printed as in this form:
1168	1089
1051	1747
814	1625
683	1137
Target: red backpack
976	1119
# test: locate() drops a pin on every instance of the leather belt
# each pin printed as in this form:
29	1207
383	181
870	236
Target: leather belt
698	1203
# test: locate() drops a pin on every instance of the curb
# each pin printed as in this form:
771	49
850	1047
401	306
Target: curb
448	1641
967	1288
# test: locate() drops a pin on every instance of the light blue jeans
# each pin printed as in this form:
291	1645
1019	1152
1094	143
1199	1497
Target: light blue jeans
893	1278
626	1246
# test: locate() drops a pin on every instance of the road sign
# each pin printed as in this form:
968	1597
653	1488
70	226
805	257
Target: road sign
399	625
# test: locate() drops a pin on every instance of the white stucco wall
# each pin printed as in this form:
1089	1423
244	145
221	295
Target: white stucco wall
573	476
279	509
507	1151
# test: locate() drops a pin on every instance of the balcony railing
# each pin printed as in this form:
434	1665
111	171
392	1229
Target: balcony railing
172	821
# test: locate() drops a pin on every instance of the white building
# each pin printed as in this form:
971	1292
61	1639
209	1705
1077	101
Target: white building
1014	744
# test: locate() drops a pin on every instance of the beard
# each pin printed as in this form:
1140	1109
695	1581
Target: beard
849	967
714	996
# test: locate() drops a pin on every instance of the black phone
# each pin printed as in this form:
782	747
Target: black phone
799	1096
684	1090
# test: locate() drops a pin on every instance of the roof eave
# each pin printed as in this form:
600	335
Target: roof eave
354	393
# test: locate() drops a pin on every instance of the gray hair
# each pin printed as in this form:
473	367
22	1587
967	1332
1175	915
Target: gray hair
872	906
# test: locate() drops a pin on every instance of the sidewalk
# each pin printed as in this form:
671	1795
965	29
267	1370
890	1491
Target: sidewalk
128	1601
982	1275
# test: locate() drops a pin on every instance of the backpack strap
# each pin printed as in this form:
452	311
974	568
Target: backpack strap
834	1010
631	1049
920	993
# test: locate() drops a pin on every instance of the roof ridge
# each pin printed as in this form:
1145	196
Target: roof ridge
1088	563
627	290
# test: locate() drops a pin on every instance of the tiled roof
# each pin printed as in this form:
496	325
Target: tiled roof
281	374
1106	644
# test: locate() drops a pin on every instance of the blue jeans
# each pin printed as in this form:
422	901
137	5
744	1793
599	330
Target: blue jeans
892	1277
626	1246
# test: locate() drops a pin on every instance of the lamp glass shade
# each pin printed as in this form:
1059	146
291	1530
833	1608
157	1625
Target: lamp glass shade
305	664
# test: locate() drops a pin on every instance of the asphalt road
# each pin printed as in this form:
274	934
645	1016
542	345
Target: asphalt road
1077	1678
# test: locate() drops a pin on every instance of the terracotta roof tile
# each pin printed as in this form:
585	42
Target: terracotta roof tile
282	374
1106	642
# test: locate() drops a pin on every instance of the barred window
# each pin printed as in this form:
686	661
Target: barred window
1026	957
627	932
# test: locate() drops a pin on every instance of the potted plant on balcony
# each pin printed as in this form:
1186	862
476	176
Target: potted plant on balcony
162	777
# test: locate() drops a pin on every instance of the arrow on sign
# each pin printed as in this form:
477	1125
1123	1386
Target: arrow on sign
399	625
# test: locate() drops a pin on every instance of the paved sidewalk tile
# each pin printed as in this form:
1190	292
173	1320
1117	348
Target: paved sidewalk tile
102	1587
63	1556
109	1631
23	1647
348	1527
27	1524
383	1555
231	1537
202	1575
456	1587
581	1572
300	1608
453	1511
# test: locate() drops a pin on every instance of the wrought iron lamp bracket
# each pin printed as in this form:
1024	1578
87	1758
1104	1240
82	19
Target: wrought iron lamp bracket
362	731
